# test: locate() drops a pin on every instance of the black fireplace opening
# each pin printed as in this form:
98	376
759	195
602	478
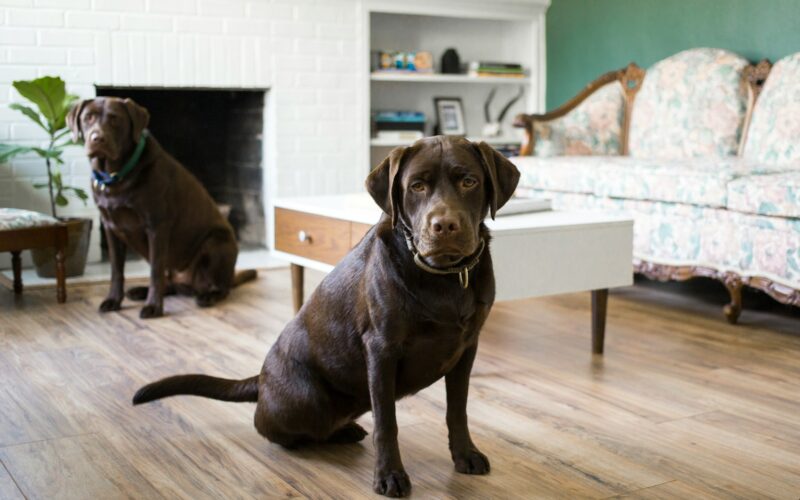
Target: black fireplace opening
218	135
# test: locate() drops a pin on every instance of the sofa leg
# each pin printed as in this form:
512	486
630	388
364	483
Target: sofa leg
732	310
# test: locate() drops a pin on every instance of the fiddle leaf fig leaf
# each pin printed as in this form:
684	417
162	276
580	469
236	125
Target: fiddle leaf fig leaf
30	113
49	94
8	151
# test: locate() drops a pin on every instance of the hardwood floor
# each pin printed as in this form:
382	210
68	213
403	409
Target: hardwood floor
682	405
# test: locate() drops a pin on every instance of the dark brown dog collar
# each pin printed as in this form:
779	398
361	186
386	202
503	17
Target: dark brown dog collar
462	271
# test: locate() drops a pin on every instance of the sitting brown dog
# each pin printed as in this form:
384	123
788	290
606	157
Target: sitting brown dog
152	204
403	309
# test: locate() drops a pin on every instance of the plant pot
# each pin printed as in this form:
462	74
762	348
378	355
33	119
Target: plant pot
79	232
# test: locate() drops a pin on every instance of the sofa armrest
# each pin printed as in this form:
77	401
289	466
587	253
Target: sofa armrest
582	125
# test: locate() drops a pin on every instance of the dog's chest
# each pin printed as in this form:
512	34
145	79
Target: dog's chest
430	352
119	217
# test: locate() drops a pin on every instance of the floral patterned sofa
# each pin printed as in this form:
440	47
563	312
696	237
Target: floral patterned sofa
702	149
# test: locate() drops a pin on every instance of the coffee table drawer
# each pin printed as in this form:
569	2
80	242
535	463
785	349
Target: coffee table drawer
315	237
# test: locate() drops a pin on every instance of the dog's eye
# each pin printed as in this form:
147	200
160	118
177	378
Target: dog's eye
89	116
468	182
418	186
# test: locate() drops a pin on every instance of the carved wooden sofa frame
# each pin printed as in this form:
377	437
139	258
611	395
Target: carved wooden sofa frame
631	78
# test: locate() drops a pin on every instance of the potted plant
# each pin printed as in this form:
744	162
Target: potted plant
48	94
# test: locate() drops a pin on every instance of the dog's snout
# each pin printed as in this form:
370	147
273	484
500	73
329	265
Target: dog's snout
96	137
445	225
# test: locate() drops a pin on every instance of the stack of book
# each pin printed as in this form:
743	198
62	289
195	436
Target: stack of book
490	68
401	126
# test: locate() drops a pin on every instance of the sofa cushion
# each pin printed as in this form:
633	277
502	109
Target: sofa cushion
774	132
14	218
575	174
690	105
695	181
775	194
692	181
594	127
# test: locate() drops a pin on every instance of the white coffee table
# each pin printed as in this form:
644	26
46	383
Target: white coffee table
535	254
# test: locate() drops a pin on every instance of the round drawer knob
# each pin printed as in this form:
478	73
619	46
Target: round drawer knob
303	237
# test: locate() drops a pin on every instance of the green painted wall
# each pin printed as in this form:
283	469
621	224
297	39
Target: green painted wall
586	38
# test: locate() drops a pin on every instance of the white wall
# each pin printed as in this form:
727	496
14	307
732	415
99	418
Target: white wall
308	53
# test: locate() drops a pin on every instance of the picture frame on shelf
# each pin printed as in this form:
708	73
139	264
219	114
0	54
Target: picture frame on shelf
450	116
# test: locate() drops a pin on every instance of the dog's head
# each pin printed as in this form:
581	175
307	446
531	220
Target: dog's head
109	126
442	188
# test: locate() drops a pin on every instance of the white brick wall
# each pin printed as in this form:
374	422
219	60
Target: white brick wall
307	52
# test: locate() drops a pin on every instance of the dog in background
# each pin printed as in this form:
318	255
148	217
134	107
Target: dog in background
150	203
403	309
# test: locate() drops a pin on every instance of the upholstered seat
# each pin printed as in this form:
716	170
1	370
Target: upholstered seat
14	218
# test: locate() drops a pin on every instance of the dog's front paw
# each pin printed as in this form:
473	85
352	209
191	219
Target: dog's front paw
471	462
151	311
392	483
110	304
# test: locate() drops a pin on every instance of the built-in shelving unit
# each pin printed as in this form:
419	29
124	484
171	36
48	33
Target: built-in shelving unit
501	30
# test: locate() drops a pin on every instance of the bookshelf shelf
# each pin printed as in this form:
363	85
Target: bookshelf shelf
377	142
442	78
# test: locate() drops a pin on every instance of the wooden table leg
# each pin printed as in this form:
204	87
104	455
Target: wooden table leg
599	307
297	286
61	285
16	264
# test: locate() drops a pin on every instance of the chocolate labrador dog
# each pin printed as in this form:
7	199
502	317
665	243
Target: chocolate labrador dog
152	204
402	309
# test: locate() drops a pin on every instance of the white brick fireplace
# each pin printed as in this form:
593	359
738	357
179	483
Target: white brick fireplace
307	53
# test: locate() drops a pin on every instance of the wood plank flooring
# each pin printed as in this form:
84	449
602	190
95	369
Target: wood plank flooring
682	405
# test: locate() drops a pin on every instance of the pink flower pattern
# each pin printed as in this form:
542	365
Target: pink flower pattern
690	105
594	127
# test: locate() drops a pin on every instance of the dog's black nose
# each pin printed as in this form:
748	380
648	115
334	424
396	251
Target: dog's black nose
444	226
96	137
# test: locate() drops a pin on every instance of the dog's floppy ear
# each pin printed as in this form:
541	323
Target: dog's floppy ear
140	117
501	174
381	183
74	120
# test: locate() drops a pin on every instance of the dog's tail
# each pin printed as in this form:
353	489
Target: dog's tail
238	391
244	276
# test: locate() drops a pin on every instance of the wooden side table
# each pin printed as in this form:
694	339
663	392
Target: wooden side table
18	239
534	255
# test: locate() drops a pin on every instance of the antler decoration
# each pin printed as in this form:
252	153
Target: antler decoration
511	103
492	127
486	113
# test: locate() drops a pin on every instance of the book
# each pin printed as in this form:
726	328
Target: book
479	74
493	64
400	117
516	206
400	136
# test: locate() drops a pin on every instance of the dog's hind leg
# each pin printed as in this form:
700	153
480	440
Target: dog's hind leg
349	433
213	271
